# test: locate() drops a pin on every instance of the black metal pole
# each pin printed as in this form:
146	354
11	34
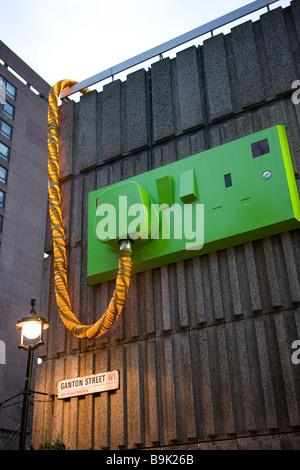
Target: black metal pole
26	396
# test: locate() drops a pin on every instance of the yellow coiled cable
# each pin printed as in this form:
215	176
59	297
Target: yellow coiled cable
59	248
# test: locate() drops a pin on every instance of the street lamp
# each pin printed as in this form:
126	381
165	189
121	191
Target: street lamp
32	327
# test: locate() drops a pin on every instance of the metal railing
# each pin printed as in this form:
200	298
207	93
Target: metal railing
167	46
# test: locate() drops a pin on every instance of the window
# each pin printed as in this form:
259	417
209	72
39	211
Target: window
10	90
1	222
5	129
3	174
8	109
4	151
2	198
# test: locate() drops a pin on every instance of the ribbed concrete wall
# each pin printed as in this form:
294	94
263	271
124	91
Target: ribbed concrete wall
203	346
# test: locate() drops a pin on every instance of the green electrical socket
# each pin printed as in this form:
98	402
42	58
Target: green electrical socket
232	194
114	211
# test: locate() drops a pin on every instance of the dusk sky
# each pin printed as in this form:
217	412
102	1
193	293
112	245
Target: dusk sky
76	39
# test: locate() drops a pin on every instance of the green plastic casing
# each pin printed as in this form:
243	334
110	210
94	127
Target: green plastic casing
226	196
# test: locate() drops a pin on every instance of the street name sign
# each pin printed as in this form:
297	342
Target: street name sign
102	382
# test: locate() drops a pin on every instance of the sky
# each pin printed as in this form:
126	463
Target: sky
77	39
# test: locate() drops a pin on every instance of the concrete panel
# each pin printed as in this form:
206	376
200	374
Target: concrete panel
153	418
74	281
222	377
290	382
198	289
253	280
67	206
86	406
142	162
260	443
102	298
112	133
186	387
89	184
165	299
102	406
291	266
137	113
70	434
189	89
290	441
56	331
76	235
146	289
168	377
39	407
217	78
250	87
271	273
65	138
280	332
45	297
48	245
216	286
267	394
278	51
206	409
162	101
295	10
57	417
130	314
182	295
118	412
135	392
86	149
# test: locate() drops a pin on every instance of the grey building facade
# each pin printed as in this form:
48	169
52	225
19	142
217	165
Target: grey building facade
203	346
23	203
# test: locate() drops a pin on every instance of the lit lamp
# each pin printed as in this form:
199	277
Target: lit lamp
32	328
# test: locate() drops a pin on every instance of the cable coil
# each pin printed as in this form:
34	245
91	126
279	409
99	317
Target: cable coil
58	235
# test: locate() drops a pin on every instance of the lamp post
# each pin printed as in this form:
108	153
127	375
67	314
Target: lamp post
32	327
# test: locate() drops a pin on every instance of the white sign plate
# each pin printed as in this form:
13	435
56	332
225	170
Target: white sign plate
102	382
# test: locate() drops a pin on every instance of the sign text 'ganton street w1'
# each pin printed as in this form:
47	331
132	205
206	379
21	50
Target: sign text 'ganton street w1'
102	382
